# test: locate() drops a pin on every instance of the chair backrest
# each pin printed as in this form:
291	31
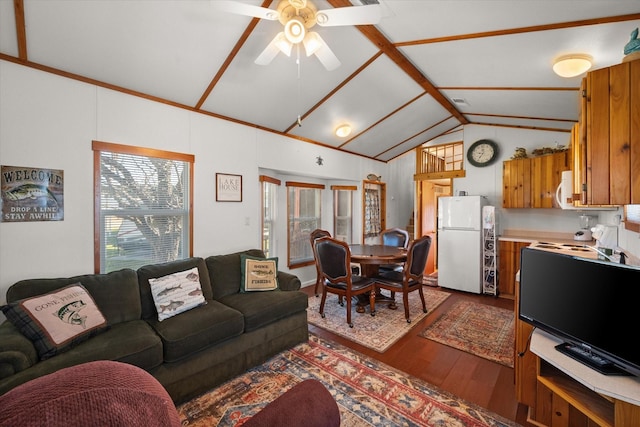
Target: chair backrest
417	257
334	259
313	236
395	237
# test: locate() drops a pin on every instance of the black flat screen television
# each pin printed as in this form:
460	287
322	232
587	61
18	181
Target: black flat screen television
593	306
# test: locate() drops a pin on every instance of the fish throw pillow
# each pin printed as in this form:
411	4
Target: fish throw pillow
176	293
57	321
258	274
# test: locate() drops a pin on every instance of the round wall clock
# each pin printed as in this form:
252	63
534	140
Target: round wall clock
482	152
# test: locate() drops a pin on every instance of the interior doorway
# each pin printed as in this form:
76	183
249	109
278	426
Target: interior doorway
429	191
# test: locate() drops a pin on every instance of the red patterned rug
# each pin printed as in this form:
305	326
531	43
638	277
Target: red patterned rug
377	332
479	329
368	393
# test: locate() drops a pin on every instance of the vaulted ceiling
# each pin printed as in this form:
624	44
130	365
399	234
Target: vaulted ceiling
428	66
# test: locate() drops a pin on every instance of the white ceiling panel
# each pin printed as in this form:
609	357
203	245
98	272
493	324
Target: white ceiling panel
494	55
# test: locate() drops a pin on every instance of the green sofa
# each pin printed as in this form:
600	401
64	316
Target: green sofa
188	353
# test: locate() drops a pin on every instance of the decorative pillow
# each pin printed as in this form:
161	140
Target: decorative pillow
57	321
176	293
258	274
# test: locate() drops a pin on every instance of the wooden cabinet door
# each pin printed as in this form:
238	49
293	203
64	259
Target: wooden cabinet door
612	135
516	182
532	182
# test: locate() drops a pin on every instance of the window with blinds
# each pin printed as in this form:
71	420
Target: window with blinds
143	206
303	212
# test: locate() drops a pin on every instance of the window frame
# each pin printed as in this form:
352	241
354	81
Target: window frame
98	147
264	181
336	201
301	185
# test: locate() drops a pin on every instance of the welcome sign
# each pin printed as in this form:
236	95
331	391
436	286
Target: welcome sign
31	194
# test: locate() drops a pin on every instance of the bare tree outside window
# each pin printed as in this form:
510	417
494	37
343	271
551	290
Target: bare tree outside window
144	215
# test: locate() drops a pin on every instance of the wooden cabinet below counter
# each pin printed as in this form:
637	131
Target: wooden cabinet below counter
508	266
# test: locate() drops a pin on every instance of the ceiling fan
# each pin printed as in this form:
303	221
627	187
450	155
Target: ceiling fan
298	17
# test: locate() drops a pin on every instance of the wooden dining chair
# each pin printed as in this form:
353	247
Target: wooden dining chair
313	236
410	278
334	257
394	237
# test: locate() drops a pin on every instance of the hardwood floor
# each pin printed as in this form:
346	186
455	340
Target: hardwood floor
470	377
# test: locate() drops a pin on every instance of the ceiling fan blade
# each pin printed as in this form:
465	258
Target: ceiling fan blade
245	9
350	15
326	57
272	50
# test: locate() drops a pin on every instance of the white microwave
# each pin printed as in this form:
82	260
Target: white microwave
564	196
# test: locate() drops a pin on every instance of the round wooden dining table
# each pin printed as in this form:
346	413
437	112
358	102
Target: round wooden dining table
370	257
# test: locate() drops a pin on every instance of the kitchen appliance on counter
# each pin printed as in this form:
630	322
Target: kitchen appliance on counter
581	250
584	233
606	236
460	242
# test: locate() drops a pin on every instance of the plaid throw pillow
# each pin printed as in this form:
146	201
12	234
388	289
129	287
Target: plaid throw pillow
57	321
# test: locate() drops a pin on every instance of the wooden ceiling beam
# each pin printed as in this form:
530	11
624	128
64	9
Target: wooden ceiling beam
378	39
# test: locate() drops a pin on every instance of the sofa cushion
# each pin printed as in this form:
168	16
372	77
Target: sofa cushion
102	287
57	321
261	308
225	274
258	274
176	293
153	271
203	326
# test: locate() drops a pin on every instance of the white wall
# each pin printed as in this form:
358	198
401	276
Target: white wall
487	180
49	121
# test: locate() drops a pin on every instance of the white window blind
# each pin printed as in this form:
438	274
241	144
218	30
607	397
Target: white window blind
144	201
304	209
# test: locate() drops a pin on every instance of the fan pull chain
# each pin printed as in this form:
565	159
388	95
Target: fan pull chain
299	121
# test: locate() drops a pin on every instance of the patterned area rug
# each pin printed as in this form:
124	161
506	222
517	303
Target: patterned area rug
377	332
479	329
368	393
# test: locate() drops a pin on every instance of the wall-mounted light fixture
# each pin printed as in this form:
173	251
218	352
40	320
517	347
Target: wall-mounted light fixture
572	65
343	131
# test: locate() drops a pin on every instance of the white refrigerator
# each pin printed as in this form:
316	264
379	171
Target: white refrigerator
460	242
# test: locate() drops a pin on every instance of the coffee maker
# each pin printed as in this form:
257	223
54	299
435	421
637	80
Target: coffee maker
584	233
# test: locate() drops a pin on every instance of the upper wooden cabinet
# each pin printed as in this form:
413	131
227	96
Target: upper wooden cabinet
607	158
532	182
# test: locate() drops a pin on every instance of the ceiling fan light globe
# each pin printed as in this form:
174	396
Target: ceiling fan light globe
294	30
283	44
572	65
312	42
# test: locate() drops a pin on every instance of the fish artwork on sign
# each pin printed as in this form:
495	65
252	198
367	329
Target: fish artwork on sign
261	273
374	177
30	191
69	313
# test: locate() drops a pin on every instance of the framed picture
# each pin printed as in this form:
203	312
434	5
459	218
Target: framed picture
228	187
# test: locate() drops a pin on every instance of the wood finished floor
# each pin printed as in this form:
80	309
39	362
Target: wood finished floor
470	377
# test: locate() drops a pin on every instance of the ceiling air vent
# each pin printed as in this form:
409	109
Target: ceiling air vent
459	101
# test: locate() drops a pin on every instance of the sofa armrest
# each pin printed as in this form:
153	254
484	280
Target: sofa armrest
17	352
288	281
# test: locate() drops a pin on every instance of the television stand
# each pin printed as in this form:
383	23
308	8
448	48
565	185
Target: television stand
569	392
592	360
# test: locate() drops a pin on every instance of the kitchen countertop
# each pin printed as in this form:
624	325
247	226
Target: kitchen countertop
531	236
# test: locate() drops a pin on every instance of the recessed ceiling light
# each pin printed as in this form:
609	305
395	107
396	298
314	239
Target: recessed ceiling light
343	131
